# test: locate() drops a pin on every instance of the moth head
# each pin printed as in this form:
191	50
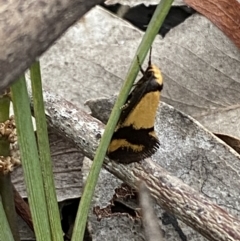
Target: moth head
154	71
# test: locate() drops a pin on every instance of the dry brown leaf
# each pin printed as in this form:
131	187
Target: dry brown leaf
67	166
191	153
230	140
200	66
223	13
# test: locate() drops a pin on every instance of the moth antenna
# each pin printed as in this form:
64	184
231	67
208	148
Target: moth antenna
150	57
141	69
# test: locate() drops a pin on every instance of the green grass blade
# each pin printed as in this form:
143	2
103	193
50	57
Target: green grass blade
4	107
6	191
6	188
44	153
30	160
5	231
152	30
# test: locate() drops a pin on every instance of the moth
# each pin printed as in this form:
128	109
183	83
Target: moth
134	137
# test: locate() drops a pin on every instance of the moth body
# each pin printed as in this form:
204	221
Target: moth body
134	138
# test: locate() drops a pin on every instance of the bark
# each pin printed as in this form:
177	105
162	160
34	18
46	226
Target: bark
22	209
169	192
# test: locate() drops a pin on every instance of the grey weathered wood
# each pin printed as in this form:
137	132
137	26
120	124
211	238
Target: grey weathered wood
28	28
197	62
200	66
150	221
169	192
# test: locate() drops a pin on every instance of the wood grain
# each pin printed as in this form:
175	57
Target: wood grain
28	28
170	192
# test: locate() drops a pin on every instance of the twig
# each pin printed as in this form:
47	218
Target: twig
150	221
169	192
22	208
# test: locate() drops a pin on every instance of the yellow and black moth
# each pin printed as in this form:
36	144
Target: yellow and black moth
134	138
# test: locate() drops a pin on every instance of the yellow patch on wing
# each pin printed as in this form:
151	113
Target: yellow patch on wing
143	115
121	143
136	124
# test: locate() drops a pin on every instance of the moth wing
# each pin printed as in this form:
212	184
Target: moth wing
134	98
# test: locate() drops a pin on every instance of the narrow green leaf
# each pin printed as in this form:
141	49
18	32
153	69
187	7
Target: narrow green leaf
5	231
30	160
6	191
44	153
4	110
152	30
4	115
6	188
